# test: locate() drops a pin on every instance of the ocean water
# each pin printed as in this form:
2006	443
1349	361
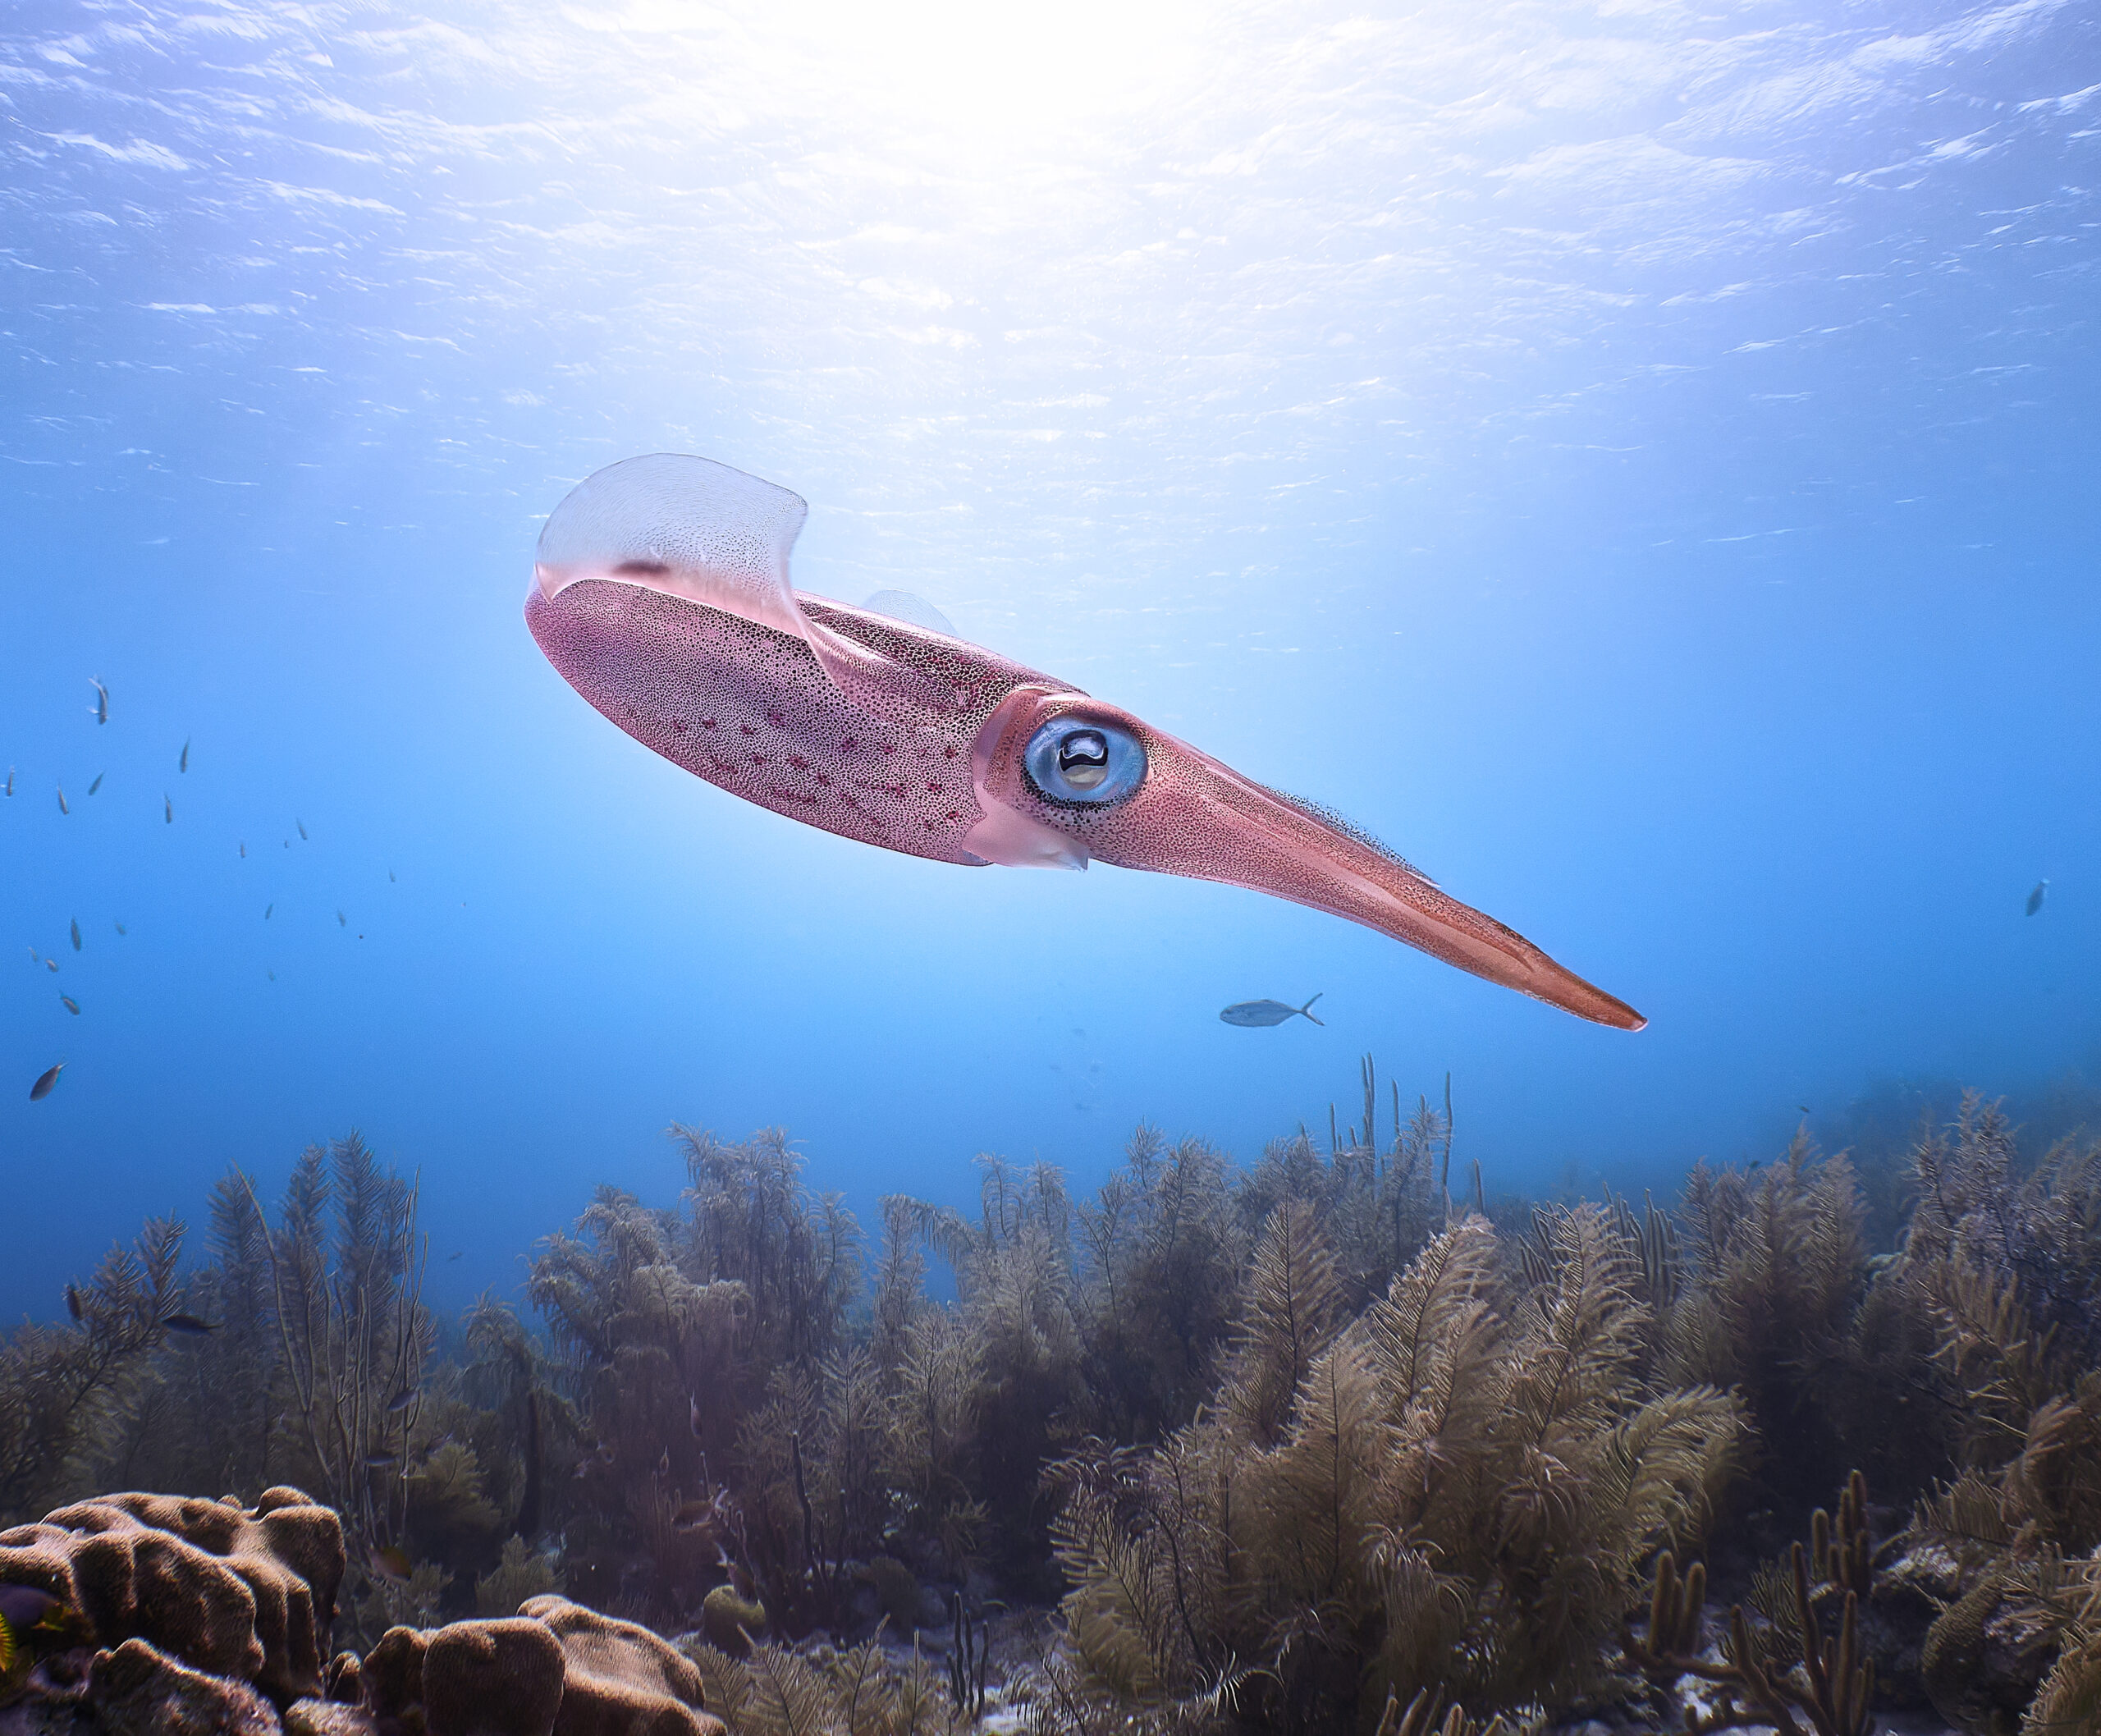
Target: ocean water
1639	460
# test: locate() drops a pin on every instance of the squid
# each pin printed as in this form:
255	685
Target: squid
661	593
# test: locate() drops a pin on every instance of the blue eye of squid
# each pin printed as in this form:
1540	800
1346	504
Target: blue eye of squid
1070	760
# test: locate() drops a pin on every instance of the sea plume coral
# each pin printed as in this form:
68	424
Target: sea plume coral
1459	1497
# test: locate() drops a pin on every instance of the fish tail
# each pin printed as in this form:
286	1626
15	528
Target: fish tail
1307	1010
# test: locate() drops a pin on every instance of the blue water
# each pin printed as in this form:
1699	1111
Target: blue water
1642	464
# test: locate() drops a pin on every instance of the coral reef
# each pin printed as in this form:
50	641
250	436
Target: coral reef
248	1593
1336	1439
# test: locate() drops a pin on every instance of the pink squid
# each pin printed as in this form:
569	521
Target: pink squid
661	594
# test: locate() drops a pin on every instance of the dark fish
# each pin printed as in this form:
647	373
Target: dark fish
121	929
1252	1014
382	1461
266	910
97	784
244	850
2036	897
73	1301
341	920
301	824
101	707
11	779
187	1326
76	934
392	1563
455	1254
273	976
62	808
167	810
72	1005
44	1081
183	764
402	1401
390	876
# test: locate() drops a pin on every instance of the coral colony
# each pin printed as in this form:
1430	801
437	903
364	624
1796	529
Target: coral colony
1315	1444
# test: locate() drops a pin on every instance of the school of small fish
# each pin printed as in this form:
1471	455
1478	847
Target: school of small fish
47	1081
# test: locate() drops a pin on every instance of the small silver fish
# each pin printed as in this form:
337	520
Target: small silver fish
402	1401
341	920
381	1461
1252	1013
97	784
62	808
301	824
101	707
11	779
266	910
167	808
183	764
72	1005
244	850
51	965
2035	898
693	1415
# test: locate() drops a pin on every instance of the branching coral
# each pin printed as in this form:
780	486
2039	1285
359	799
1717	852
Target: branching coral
346	1282
1788	1673
65	1389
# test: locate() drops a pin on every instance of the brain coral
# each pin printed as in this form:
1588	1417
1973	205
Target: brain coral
239	1593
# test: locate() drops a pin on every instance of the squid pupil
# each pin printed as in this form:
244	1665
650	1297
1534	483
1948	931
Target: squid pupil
1083	759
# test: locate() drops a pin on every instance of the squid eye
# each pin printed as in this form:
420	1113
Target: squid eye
1087	764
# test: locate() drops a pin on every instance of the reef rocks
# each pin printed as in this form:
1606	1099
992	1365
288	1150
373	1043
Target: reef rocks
555	1668
203	1617
471	1679
192	1606
138	1690
622	1679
